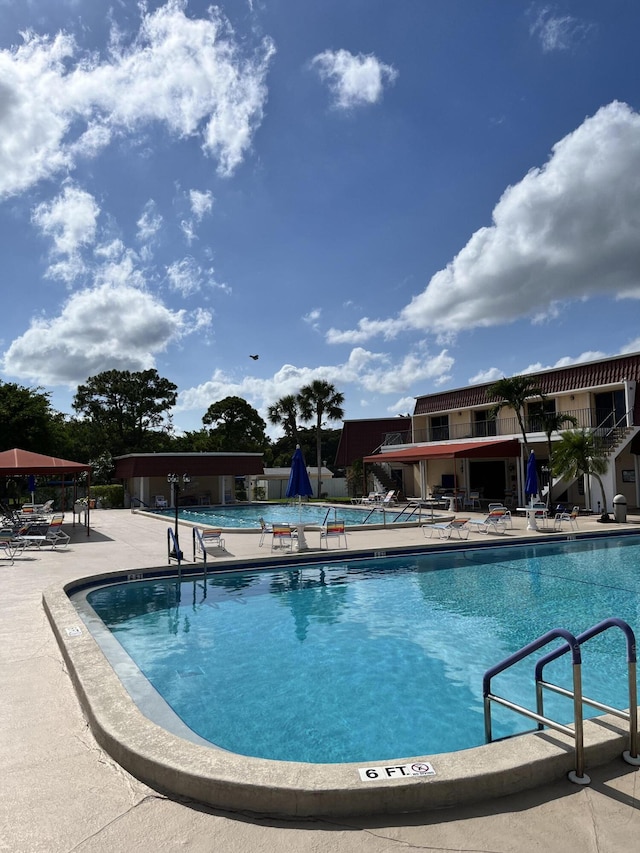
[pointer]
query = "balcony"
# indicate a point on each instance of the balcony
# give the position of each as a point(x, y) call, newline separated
point(499, 428)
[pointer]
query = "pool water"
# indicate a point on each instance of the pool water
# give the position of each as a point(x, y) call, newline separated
point(367, 660)
point(314, 514)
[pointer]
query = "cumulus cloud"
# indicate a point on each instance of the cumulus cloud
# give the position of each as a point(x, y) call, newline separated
point(70, 219)
point(377, 373)
point(189, 74)
point(109, 327)
point(354, 80)
point(567, 231)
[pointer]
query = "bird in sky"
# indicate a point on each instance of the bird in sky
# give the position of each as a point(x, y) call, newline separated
point(254, 357)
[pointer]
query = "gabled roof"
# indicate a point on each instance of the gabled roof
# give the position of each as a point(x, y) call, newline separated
point(576, 377)
point(18, 461)
point(361, 437)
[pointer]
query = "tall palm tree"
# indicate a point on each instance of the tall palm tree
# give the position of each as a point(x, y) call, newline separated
point(285, 412)
point(513, 393)
point(553, 422)
point(580, 453)
point(320, 399)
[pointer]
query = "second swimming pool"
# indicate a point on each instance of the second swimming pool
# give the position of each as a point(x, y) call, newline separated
point(365, 659)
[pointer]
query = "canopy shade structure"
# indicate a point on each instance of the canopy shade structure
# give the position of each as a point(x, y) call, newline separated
point(24, 462)
point(460, 450)
point(18, 461)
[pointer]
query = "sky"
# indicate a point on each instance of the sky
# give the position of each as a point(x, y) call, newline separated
point(398, 198)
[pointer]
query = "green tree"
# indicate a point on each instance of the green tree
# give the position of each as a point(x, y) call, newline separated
point(553, 422)
point(127, 408)
point(580, 453)
point(284, 412)
point(27, 420)
point(320, 400)
point(513, 393)
point(236, 426)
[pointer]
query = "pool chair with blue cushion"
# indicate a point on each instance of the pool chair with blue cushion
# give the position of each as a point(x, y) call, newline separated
point(334, 530)
point(281, 537)
point(496, 522)
point(570, 517)
point(212, 538)
point(447, 528)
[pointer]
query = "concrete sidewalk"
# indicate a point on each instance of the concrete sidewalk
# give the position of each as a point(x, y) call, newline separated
point(61, 792)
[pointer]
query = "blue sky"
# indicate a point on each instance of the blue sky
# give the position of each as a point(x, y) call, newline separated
point(398, 198)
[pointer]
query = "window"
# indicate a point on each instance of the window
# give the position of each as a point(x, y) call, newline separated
point(440, 428)
point(483, 423)
point(534, 412)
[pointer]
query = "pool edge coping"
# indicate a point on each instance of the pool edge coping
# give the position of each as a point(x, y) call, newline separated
point(234, 782)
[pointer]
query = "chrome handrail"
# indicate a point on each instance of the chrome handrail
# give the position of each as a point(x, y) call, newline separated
point(631, 716)
point(578, 775)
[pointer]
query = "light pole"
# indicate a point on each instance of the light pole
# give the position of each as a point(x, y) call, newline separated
point(174, 481)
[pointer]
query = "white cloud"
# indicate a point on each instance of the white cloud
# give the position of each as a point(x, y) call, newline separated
point(110, 327)
point(313, 318)
point(375, 372)
point(188, 73)
point(149, 223)
point(567, 231)
point(201, 203)
point(354, 80)
point(558, 32)
point(70, 220)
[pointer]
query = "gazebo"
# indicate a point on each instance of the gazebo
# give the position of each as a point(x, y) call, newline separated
point(24, 462)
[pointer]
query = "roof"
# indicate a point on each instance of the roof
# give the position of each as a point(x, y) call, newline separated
point(193, 464)
point(443, 450)
point(361, 437)
point(18, 461)
point(576, 377)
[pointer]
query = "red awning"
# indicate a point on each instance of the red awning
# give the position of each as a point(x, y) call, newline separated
point(464, 450)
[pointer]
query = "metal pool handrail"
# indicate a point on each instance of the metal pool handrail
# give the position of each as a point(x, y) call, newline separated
point(630, 756)
point(578, 775)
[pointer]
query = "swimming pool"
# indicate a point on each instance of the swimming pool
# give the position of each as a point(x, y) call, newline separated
point(361, 660)
point(309, 513)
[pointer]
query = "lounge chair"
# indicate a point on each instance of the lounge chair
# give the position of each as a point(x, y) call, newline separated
point(447, 528)
point(281, 537)
point(496, 522)
point(10, 543)
point(160, 502)
point(333, 531)
point(212, 538)
point(264, 530)
point(389, 499)
point(37, 535)
point(372, 498)
point(571, 517)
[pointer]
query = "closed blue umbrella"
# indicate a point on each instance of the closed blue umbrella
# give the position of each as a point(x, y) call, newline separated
point(299, 485)
point(531, 482)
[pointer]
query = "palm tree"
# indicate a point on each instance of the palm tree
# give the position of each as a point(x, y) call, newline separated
point(553, 422)
point(580, 453)
point(513, 393)
point(285, 411)
point(320, 399)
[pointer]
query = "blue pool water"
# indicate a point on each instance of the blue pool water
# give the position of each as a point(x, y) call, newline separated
point(249, 516)
point(367, 660)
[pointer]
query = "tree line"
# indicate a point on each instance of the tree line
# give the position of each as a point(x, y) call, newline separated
point(118, 412)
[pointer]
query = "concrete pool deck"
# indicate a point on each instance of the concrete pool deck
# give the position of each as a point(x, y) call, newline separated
point(63, 792)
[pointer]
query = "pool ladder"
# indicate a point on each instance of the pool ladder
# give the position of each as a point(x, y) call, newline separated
point(572, 645)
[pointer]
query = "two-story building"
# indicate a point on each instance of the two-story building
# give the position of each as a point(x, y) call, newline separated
point(456, 444)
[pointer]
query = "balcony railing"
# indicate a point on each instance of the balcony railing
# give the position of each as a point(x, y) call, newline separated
point(501, 427)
